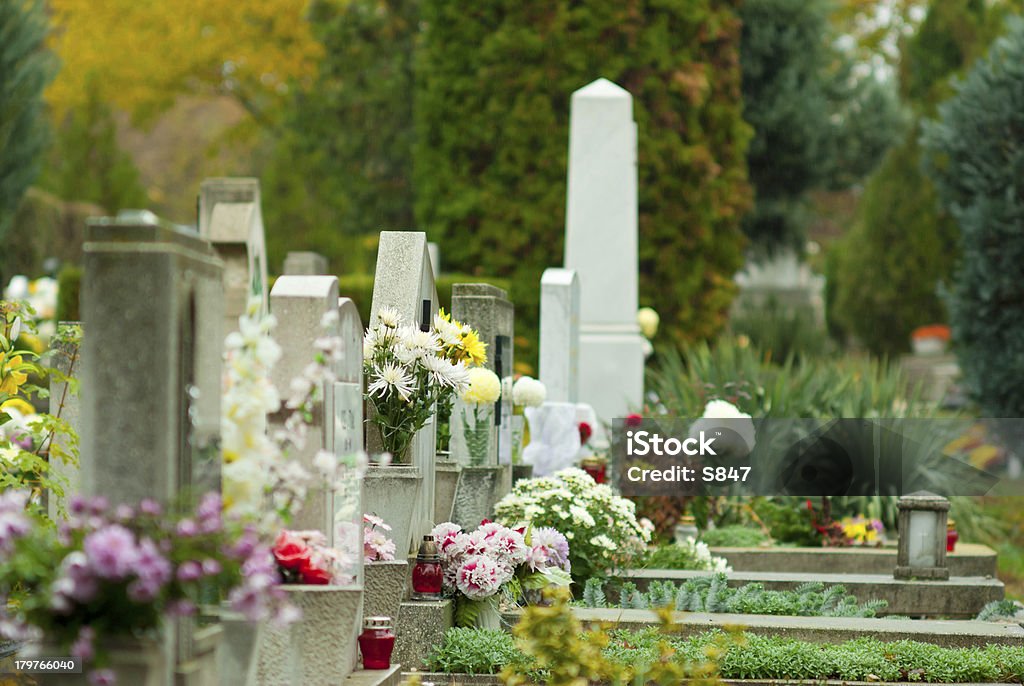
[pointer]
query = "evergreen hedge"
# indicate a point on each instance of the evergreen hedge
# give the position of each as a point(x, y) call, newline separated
point(975, 155)
point(493, 85)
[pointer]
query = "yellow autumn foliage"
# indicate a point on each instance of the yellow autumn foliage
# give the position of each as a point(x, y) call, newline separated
point(144, 54)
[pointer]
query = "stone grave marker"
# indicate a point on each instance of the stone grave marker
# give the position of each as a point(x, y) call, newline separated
point(601, 244)
point(299, 304)
point(404, 280)
point(152, 303)
point(560, 334)
point(305, 264)
point(230, 217)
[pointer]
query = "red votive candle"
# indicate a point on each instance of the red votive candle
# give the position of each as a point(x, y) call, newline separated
point(427, 574)
point(376, 643)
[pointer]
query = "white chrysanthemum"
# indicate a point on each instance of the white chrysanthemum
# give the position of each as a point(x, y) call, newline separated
point(425, 340)
point(648, 320)
point(721, 409)
point(389, 317)
point(390, 377)
point(528, 392)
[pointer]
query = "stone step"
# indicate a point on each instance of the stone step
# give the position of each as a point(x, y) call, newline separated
point(949, 634)
point(376, 677)
point(959, 598)
point(969, 559)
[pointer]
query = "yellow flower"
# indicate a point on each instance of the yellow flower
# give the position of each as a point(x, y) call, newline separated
point(484, 387)
point(13, 379)
point(18, 404)
point(475, 349)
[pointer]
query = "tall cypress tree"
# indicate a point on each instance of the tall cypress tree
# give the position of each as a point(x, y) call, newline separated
point(493, 84)
point(25, 69)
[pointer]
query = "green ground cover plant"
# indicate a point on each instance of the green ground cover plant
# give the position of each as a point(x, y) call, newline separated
point(735, 537)
point(754, 657)
point(712, 594)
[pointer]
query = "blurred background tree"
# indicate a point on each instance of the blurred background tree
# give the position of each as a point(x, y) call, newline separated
point(975, 155)
point(493, 86)
point(25, 69)
point(890, 266)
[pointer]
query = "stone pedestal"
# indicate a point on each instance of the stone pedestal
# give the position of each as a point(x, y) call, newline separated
point(446, 480)
point(391, 493)
point(421, 626)
point(385, 588)
point(318, 650)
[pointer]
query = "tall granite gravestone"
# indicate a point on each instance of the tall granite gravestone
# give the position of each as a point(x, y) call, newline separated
point(305, 264)
point(601, 245)
point(299, 303)
point(230, 217)
point(404, 280)
point(560, 334)
point(151, 371)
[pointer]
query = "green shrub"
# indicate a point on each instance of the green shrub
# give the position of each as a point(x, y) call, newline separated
point(69, 288)
point(781, 332)
point(734, 537)
point(974, 153)
point(475, 651)
point(492, 109)
point(764, 657)
point(712, 594)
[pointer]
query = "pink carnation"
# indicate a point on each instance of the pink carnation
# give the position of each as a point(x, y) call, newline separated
point(480, 577)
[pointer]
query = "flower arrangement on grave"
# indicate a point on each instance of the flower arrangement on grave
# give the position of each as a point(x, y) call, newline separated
point(304, 557)
point(601, 527)
point(28, 451)
point(477, 413)
point(494, 563)
point(409, 372)
point(863, 531)
point(111, 573)
point(377, 545)
point(526, 392)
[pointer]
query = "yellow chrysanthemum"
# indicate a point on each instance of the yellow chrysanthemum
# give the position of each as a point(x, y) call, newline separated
point(19, 404)
point(12, 380)
point(484, 387)
point(476, 350)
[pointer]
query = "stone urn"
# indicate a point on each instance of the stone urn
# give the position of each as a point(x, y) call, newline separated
point(446, 479)
point(320, 648)
point(390, 492)
point(384, 588)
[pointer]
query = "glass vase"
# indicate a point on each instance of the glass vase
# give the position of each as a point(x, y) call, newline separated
point(473, 434)
point(518, 433)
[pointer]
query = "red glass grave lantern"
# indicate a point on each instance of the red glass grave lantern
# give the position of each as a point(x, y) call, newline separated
point(427, 573)
point(952, 536)
point(376, 643)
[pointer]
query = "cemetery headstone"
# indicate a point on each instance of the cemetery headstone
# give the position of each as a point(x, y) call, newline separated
point(305, 264)
point(602, 246)
point(404, 280)
point(299, 304)
point(434, 251)
point(560, 334)
point(230, 217)
point(152, 301)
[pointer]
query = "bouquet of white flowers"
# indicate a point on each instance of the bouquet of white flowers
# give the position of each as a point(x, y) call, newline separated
point(408, 371)
point(601, 527)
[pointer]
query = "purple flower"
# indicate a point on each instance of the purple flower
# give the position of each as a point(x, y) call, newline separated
point(102, 677)
point(13, 525)
point(187, 528)
point(77, 579)
point(99, 505)
point(124, 512)
point(77, 505)
point(210, 506)
point(190, 570)
point(112, 552)
point(211, 567)
point(181, 608)
point(22, 439)
point(245, 545)
point(143, 590)
point(150, 507)
point(83, 646)
point(555, 545)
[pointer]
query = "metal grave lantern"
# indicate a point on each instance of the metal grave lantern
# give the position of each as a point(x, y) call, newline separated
point(922, 527)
